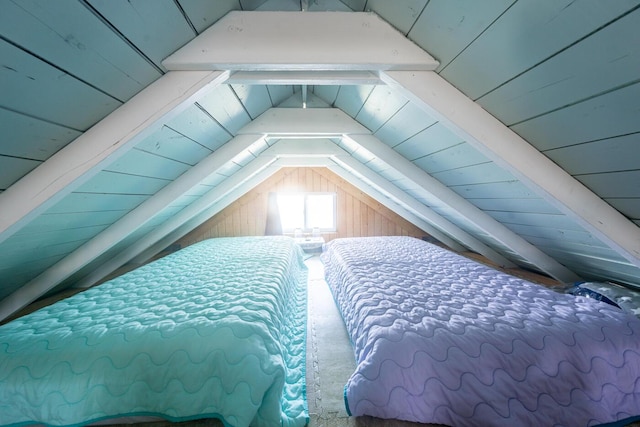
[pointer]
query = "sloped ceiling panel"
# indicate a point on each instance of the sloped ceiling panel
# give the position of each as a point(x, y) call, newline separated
point(563, 81)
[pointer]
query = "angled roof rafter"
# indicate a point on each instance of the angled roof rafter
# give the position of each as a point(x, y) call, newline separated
point(500, 144)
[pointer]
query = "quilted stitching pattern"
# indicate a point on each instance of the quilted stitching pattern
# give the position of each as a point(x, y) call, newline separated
point(442, 339)
point(214, 330)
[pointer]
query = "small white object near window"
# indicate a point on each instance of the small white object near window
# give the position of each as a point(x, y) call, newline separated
point(309, 212)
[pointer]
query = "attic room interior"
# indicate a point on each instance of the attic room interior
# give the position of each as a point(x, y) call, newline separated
point(319, 212)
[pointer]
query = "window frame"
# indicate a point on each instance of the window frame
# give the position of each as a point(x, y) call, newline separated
point(305, 194)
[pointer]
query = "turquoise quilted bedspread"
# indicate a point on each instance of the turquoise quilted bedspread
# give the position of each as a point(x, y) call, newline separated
point(217, 329)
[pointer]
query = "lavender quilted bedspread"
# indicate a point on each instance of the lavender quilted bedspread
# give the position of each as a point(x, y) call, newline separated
point(439, 338)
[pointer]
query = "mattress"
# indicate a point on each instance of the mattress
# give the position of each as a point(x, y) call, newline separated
point(439, 338)
point(215, 330)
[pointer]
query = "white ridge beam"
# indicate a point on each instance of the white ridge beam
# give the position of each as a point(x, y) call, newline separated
point(124, 226)
point(266, 40)
point(313, 77)
point(105, 142)
point(507, 149)
point(423, 211)
point(480, 219)
point(227, 187)
point(304, 122)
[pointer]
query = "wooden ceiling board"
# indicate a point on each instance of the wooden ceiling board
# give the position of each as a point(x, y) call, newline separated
point(157, 28)
point(402, 15)
point(173, 145)
point(525, 35)
point(431, 140)
point(69, 36)
point(608, 155)
point(203, 13)
point(408, 121)
point(28, 137)
point(350, 99)
point(118, 183)
point(96, 202)
point(482, 173)
point(454, 157)
point(255, 98)
point(70, 221)
point(380, 106)
point(200, 127)
point(61, 98)
point(142, 163)
point(446, 28)
point(573, 75)
point(225, 107)
point(14, 168)
point(607, 116)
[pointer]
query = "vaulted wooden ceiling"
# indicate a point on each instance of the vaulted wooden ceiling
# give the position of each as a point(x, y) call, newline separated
point(510, 128)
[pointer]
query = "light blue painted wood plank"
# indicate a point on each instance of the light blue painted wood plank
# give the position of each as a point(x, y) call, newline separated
point(69, 35)
point(172, 145)
point(255, 98)
point(380, 106)
point(436, 137)
point(613, 185)
point(118, 183)
point(593, 247)
point(279, 93)
point(609, 155)
point(515, 205)
point(457, 156)
point(61, 99)
point(556, 221)
point(197, 125)
point(526, 34)
point(593, 66)
point(406, 123)
point(627, 207)
point(329, 5)
point(203, 13)
point(402, 15)
point(142, 163)
point(157, 28)
point(475, 174)
point(326, 92)
point(12, 259)
point(356, 5)
point(24, 136)
point(13, 169)
point(554, 234)
point(35, 241)
point(223, 105)
point(446, 28)
point(350, 99)
point(295, 101)
point(91, 202)
point(70, 221)
point(271, 5)
point(184, 201)
point(610, 115)
point(507, 190)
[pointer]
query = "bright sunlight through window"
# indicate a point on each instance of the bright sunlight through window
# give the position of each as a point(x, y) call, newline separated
point(307, 211)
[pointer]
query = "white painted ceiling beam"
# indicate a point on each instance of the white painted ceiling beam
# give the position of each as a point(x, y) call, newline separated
point(480, 219)
point(507, 149)
point(423, 211)
point(245, 177)
point(124, 226)
point(304, 147)
point(304, 122)
point(311, 77)
point(105, 142)
point(266, 40)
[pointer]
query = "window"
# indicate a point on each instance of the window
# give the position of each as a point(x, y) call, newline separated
point(307, 211)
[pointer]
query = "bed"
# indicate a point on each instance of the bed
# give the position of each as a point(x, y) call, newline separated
point(439, 338)
point(215, 330)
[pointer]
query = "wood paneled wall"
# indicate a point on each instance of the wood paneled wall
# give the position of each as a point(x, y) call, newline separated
point(357, 214)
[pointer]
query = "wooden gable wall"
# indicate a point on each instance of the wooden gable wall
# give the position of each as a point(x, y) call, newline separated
point(357, 214)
